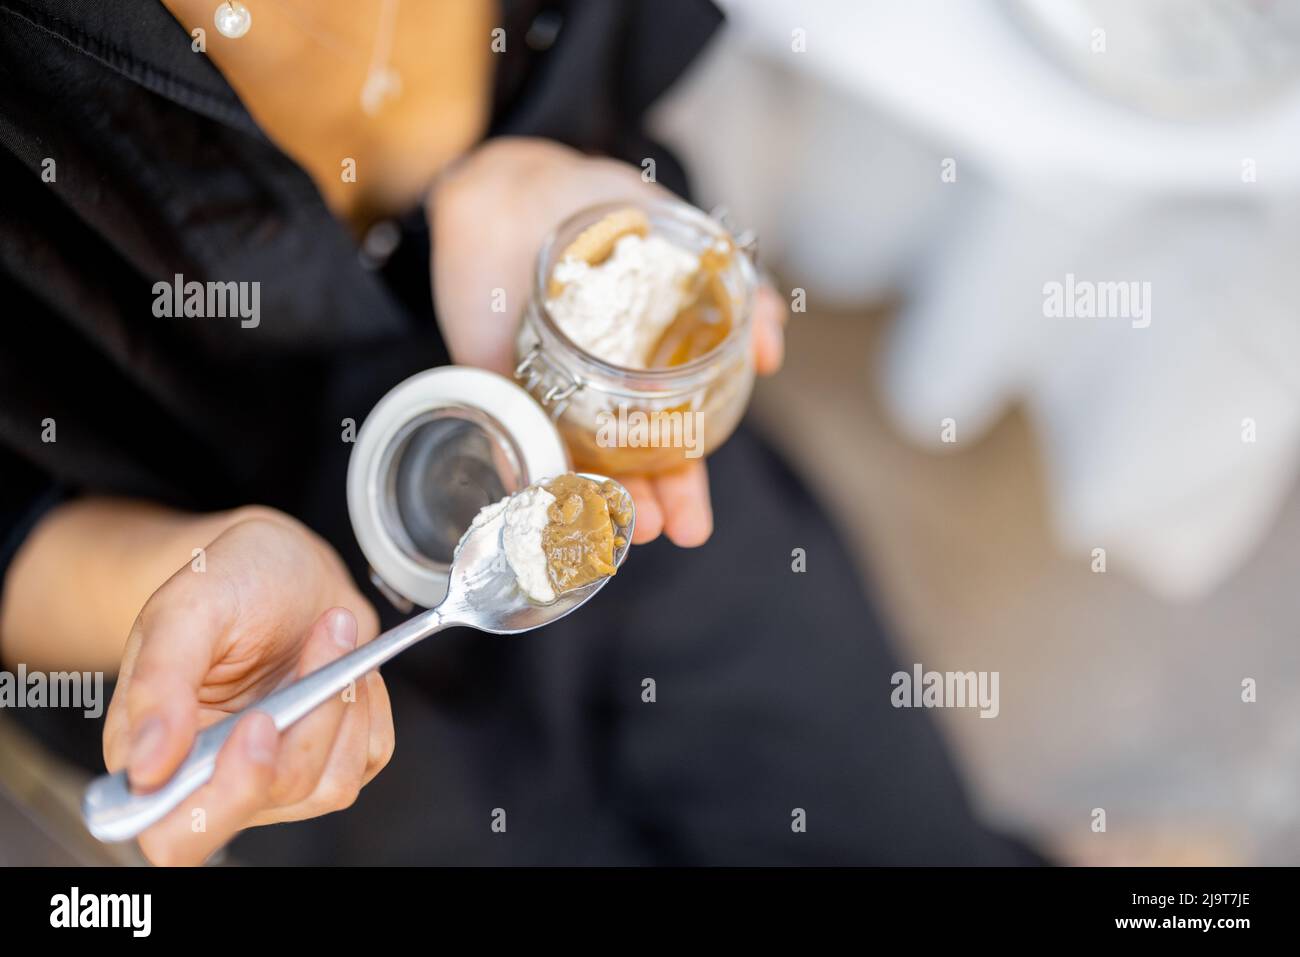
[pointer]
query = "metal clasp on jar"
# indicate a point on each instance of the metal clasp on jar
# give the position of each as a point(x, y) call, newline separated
point(746, 240)
point(555, 398)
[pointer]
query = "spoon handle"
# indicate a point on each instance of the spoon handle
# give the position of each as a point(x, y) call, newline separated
point(113, 812)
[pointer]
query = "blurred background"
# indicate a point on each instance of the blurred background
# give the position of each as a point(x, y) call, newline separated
point(921, 170)
point(917, 173)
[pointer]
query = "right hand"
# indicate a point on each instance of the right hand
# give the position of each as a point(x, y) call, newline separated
point(273, 603)
point(490, 213)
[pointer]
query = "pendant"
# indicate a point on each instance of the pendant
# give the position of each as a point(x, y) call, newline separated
point(382, 83)
point(233, 19)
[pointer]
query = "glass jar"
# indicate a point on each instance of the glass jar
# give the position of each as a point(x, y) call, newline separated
point(617, 420)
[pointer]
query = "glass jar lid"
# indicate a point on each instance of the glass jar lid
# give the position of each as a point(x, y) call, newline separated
point(433, 451)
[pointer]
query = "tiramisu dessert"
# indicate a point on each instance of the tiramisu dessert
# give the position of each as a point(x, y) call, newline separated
point(634, 299)
point(561, 534)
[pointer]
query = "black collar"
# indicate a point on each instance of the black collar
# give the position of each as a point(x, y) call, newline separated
point(142, 41)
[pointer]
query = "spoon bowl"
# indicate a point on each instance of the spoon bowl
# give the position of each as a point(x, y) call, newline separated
point(483, 593)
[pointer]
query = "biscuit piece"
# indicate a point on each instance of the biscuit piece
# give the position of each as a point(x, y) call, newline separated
point(595, 243)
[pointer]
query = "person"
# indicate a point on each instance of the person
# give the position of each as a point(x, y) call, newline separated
point(372, 165)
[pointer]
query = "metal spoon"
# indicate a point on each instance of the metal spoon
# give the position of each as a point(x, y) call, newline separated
point(482, 594)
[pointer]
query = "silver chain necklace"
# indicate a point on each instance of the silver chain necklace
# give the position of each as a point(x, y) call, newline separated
point(233, 19)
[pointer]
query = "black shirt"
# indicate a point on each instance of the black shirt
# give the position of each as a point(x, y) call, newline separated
point(126, 160)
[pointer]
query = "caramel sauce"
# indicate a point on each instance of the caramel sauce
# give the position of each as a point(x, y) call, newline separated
point(704, 322)
point(582, 537)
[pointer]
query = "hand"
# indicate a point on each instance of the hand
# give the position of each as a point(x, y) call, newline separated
point(490, 213)
point(272, 603)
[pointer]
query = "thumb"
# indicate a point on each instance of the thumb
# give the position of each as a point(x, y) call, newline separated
point(176, 637)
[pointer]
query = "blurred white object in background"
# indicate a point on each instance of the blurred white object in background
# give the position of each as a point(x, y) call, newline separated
point(1109, 141)
point(1174, 57)
point(841, 198)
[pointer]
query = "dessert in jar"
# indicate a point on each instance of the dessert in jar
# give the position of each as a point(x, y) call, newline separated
point(637, 337)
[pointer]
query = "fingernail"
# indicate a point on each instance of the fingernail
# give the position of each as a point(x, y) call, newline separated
point(260, 743)
point(343, 629)
point(146, 744)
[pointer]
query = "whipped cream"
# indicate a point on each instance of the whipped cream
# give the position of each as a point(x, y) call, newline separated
point(521, 538)
point(619, 309)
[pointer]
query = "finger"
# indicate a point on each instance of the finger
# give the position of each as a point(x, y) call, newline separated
point(308, 743)
point(177, 634)
point(379, 751)
point(343, 773)
point(208, 819)
point(117, 722)
point(649, 516)
point(770, 314)
point(383, 738)
point(684, 498)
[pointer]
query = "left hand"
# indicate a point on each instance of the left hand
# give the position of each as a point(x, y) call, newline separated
point(490, 213)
